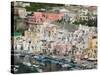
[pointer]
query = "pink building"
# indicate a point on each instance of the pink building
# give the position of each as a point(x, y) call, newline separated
point(40, 17)
point(61, 48)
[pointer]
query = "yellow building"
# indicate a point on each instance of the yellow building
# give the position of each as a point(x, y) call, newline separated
point(34, 39)
point(91, 51)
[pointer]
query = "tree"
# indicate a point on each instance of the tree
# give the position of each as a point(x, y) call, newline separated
point(92, 22)
point(89, 22)
point(36, 6)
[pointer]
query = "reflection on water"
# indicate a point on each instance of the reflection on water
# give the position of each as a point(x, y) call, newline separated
point(42, 63)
